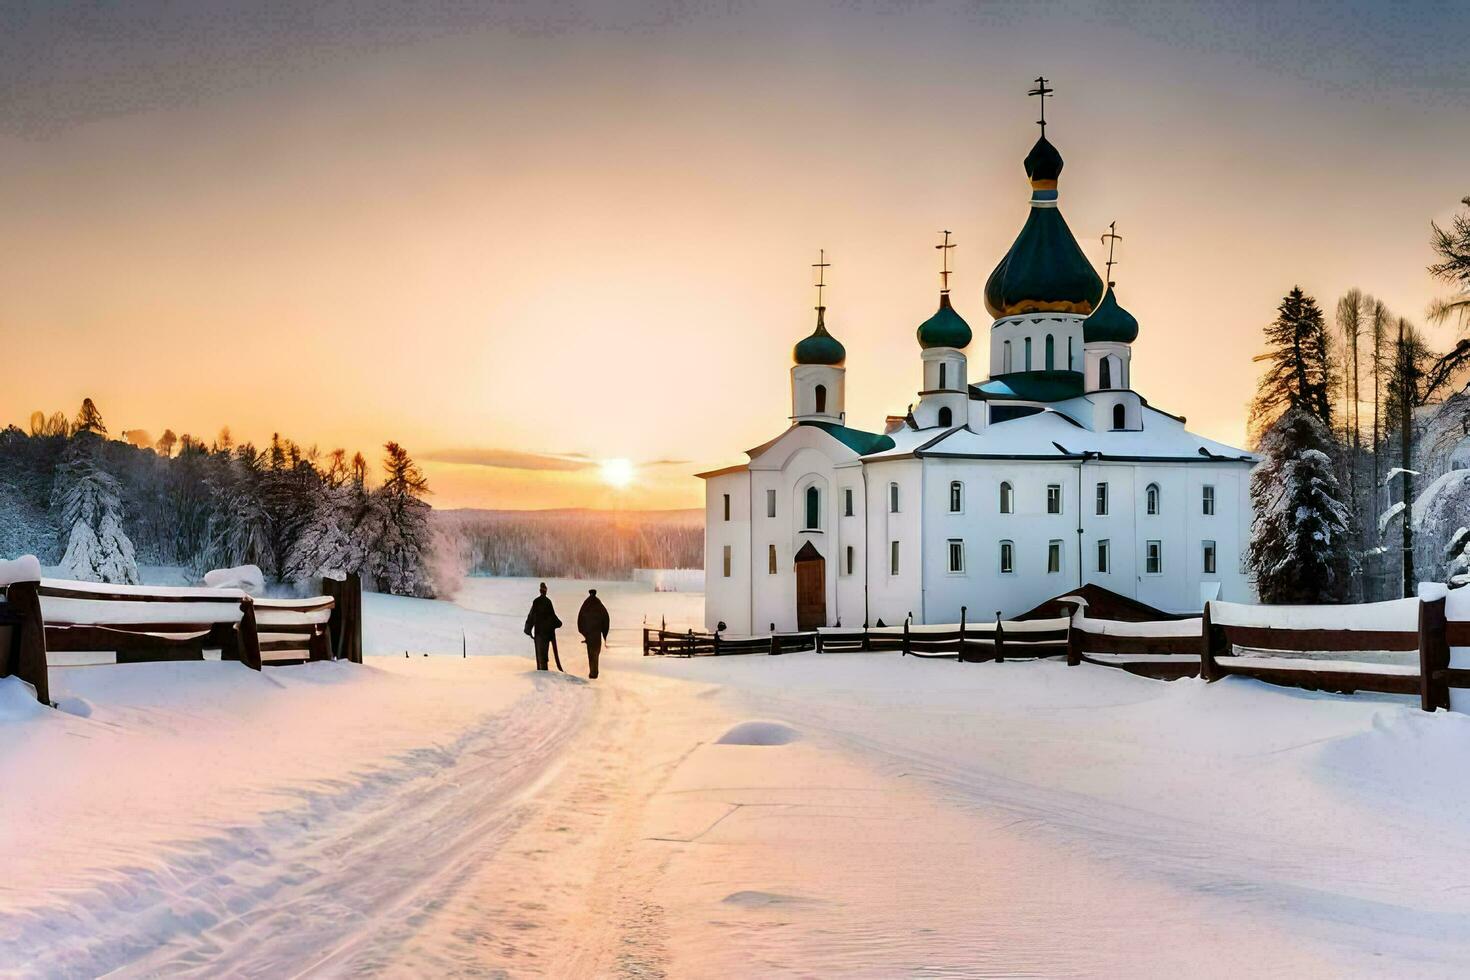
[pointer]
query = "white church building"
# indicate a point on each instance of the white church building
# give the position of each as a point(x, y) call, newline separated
point(1000, 494)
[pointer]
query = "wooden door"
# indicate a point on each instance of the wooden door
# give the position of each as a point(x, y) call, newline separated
point(811, 588)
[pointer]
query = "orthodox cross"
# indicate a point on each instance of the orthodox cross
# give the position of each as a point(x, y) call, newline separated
point(821, 265)
point(1042, 92)
point(1111, 238)
point(944, 272)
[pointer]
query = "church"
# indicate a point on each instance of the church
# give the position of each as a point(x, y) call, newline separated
point(997, 494)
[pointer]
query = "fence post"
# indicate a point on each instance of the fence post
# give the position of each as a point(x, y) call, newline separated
point(775, 642)
point(867, 644)
point(717, 643)
point(1434, 655)
point(320, 645)
point(963, 610)
point(905, 648)
point(817, 641)
point(1000, 653)
point(1207, 667)
point(30, 642)
point(1074, 638)
point(249, 635)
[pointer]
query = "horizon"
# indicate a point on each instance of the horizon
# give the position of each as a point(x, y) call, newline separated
point(513, 242)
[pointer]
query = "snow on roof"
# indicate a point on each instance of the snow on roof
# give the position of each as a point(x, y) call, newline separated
point(1051, 434)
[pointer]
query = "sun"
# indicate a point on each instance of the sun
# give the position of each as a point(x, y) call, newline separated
point(617, 472)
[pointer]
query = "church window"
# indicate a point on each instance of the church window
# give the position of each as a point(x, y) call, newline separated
point(893, 498)
point(1120, 417)
point(1153, 558)
point(946, 417)
point(1105, 373)
point(813, 508)
point(893, 558)
point(1054, 498)
point(1069, 354)
point(849, 559)
point(1103, 563)
point(956, 497)
point(770, 503)
point(1005, 358)
point(1053, 556)
point(847, 501)
point(1051, 353)
point(1007, 499)
point(941, 375)
point(726, 561)
point(1151, 500)
point(956, 556)
point(821, 393)
point(1102, 500)
point(727, 506)
point(1007, 557)
point(1209, 558)
point(1028, 354)
point(1207, 501)
point(770, 559)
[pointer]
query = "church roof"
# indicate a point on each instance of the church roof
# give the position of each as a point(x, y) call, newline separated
point(1045, 268)
point(1110, 322)
point(945, 328)
point(1030, 386)
point(1052, 434)
point(857, 440)
point(821, 347)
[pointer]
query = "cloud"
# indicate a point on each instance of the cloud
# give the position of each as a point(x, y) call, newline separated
point(512, 459)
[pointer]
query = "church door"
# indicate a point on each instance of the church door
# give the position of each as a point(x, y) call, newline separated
point(811, 588)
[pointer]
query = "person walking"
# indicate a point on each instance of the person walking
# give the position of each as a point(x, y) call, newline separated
point(593, 623)
point(541, 626)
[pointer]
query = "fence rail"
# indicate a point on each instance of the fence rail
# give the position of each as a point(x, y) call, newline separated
point(82, 623)
point(1227, 640)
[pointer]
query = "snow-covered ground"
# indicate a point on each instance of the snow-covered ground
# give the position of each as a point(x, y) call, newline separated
point(745, 816)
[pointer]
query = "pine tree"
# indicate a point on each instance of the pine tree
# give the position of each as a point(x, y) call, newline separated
point(397, 524)
point(88, 502)
point(166, 443)
point(1299, 549)
point(89, 419)
point(1452, 245)
point(239, 521)
point(1299, 366)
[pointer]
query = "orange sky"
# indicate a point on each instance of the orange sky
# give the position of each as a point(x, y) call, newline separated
point(591, 234)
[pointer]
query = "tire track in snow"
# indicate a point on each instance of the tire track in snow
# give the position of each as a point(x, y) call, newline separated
point(312, 883)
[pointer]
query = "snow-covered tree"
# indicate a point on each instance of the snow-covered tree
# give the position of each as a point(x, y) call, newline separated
point(332, 538)
point(88, 503)
point(397, 525)
point(1298, 364)
point(1299, 549)
point(239, 522)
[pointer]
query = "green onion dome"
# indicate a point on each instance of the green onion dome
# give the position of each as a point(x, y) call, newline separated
point(1110, 322)
point(1045, 270)
point(946, 328)
point(821, 347)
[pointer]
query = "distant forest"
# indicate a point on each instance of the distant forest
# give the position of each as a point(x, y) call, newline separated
point(99, 505)
point(573, 543)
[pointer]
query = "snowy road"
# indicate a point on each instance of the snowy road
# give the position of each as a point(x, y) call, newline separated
point(806, 816)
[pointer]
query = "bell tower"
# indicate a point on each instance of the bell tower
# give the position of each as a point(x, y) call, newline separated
point(818, 376)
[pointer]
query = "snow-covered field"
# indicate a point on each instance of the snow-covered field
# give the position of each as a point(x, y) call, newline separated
point(748, 816)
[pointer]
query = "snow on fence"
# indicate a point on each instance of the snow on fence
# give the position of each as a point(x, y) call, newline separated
point(1434, 628)
point(56, 622)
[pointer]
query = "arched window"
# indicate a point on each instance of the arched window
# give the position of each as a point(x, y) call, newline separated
point(956, 496)
point(1007, 557)
point(1151, 499)
point(1051, 353)
point(1007, 499)
point(821, 393)
point(1105, 373)
point(893, 498)
point(1120, 417)
point(1005, 358)
point(1028, 354)
point(813, 508)
point(946, 417)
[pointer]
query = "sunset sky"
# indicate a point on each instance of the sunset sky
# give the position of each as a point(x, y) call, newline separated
point(527, 239)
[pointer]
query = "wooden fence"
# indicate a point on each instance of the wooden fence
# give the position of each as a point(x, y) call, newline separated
point(54, 622)
point(1228, 639)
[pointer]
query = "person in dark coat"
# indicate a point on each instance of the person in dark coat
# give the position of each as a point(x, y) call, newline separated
point(593, 623)
point(541, 626)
